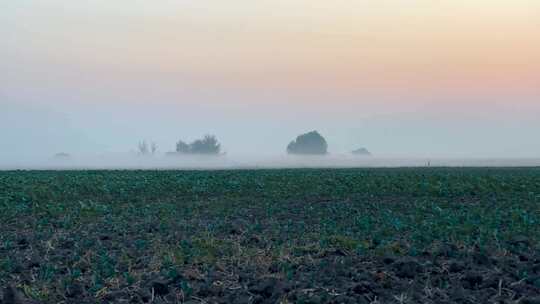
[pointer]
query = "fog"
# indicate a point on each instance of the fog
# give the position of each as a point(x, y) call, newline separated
point(132, 161)
point(93, 79)
point(105, 135)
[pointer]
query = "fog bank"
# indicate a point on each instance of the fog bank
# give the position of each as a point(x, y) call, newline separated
point(131, 161)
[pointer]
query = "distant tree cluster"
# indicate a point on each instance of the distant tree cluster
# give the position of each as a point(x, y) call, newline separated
point(208, 145)
point(311, 143)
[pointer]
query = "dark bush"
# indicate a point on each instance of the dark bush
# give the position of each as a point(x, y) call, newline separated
point(361, 151)
point(62, 155)
point(207, 145)
point(310, 143)
point(182, 147)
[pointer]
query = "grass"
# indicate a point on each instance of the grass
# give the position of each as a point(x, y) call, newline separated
point(112, 229)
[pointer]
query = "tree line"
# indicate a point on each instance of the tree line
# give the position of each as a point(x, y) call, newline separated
point(311, 143)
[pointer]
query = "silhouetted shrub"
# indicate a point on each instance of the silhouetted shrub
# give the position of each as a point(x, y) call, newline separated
point(207, 145)
point(361, 151)
point(62, 155)
point(310, 143)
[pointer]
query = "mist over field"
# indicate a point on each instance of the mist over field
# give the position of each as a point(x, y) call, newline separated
point(93, 79)
point(269, 151)
point(132, 161)
point(107, 137)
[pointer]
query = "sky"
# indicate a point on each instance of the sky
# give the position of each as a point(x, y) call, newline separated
point(402, 78)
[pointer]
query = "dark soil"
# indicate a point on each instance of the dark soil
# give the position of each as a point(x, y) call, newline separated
point(65, 239)
point(330, 278)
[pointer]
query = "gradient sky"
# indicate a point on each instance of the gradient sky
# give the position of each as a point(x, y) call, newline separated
point(401, 77)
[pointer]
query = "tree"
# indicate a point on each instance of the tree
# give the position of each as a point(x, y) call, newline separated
point(207, 145)
point(147, 149)
point(311, 143)
point(182, 147)
point(143, 148)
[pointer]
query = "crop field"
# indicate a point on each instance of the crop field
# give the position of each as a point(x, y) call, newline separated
point(424, 235)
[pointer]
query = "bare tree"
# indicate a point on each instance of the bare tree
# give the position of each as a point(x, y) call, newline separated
point(153, 148)
point(143, 148)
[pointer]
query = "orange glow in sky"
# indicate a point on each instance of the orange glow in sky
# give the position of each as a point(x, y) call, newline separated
point(415, 77)
point(295, 44)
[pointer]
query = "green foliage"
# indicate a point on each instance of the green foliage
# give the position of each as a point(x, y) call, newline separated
point(309, 143)
point(206, 145)
point(117, 225)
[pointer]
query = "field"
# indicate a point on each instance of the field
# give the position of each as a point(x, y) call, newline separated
point(420, 235)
